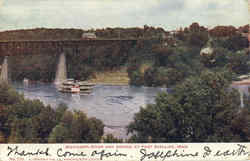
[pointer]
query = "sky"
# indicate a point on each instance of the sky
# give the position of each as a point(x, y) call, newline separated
point(93, 14)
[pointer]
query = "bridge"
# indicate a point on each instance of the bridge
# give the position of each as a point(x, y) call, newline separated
point(25, 47)
point(38, 47)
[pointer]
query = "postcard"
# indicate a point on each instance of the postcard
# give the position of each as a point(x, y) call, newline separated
point(124, 80)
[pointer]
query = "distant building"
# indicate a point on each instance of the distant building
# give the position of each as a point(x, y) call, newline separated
point(245, 35)
point(89, 35)
point(206, 51)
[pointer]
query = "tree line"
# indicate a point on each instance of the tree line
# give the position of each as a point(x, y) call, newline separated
point(159, 61)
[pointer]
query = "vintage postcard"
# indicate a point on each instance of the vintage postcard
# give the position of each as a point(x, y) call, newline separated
point(124, 80)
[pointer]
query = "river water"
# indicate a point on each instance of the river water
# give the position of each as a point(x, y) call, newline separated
point(114, 105)
point(243, 90)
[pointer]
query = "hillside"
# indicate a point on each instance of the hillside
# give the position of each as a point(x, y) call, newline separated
point(165, 59)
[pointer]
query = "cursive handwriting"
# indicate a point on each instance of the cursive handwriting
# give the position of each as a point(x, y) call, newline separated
point(207, 152)
point(60, 153)
point(241, 150)
point(163, 155)
point(37, 152)
point(144, 154)
point(103, 154)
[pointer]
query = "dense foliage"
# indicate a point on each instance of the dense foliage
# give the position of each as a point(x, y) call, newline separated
point(201, 109)
point(179, 56)
point(159, 58)
point(30, 121)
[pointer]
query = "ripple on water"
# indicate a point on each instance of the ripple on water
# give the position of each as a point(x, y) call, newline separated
point(117, 99)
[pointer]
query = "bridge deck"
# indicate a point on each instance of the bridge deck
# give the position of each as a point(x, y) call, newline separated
point(24, 47)
point(69, 40)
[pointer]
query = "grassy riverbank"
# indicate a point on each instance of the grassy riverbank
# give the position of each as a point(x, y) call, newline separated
point(114, 77)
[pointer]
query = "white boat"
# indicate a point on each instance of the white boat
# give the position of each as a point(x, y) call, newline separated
point(85, 87)
point(25, 80)
point(69, 89)
point(74, 86)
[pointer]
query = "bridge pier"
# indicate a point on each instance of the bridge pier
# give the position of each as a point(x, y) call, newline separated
point(4, 71)
point(61, 71)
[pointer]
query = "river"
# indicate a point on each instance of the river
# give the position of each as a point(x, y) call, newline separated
point(114, 105)
point(243, 90)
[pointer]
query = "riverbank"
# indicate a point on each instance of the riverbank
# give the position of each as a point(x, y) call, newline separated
point(116, 77)
point(242, 82)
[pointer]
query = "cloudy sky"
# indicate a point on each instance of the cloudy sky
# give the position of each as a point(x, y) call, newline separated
point(87, 14)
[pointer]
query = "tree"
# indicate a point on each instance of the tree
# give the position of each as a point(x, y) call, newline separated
point(16, 136)
point(109, 138)
point(194, 27)
point(4, 116)
point(60, 110)
point(149, 76)
point(215, 57)
point(2, 137)
point(239, 62)
point(161, 55)
point(136, 78)
point(79, 127)
point(223, 31)
point(43, 123)
point(236, 42)
point(95, 132)
point(8, 96)
point(84, 129)
point(200, 109)
point(60, 134)
point(198, 39)
point(67, 119)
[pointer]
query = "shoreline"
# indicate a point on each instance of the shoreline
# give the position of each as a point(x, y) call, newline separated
point(112, 78)
point(242, 82)
point(111, 84)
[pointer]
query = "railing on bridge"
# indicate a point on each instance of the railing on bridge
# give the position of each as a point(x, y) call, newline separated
point(73, 40)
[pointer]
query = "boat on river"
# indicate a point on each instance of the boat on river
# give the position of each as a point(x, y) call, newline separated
point(85, 87)
point(74, 86)
point(69, 86)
